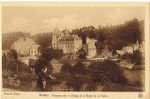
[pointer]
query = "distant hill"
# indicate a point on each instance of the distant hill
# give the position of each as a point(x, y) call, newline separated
point(9, 38)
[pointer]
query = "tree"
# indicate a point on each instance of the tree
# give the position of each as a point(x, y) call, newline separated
point(67, 68)
point(43, 39)
point(107, 71)
point(121, 35)
point(130, 30)
point(13, 54)
point(75, 82)
point(84, 32)
point(79, 68)
point(49, 53)
point(82, 53)
point(9, 38)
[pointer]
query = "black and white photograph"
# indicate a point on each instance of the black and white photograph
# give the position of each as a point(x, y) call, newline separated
point(73, 48)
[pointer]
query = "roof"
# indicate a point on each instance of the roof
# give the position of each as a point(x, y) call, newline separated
point(69, 38)
point(24, 43)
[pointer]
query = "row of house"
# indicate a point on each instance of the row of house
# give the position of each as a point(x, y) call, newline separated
point(131, 48)
point(68, 43)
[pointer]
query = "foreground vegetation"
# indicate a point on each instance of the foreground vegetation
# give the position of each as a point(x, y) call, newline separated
point(104, 75)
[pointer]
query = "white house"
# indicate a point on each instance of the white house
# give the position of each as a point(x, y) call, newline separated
point(26, 49)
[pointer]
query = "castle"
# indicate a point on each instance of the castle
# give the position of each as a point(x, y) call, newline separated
point(66, 42)
point(71, 43)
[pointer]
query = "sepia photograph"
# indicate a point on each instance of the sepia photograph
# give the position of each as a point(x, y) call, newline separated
point(73, 48)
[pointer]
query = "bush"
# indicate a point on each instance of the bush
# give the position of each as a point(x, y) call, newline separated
point(67, 68)
point(82, 54)
point(75, 82)
point(107, 71)
point(50, 53)
point(75, 77)
point(79, 68)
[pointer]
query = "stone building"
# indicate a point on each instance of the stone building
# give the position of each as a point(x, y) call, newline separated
point(71, 44)
point(66, 42)
point(91, 48)
point(56, 36)
point(26, 49)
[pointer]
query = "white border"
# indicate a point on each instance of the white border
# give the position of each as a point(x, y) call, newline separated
point(111, 95)
point(77, 0)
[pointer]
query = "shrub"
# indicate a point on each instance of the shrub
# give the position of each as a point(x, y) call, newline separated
point(75, 82)
point(75, 77)
point(107, 71)
point(67, 68)
point(79, 68)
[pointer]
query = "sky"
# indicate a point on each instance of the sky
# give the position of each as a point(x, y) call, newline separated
point(45, 19)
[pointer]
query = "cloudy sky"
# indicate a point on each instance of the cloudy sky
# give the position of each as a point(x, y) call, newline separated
point(46, 19)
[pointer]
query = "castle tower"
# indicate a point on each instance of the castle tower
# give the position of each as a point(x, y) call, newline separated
point(56, 35)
